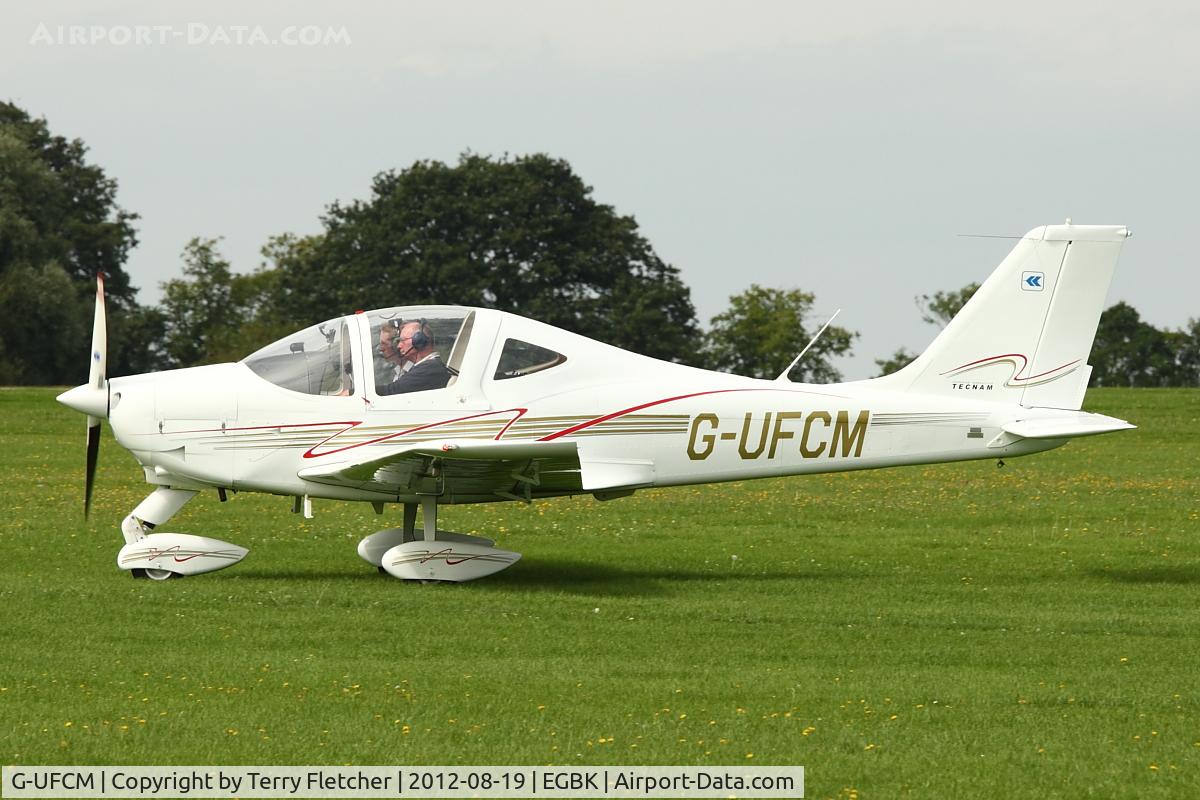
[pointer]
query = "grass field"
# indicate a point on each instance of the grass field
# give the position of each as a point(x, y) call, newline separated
point(957, 630)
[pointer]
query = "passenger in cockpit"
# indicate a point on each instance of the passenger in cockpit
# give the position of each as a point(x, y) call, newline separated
point(389, 332)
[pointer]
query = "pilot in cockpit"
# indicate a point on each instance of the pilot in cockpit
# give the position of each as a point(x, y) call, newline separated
point(412, 345)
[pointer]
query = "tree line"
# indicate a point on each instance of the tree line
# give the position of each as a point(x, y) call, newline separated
point(523, 234)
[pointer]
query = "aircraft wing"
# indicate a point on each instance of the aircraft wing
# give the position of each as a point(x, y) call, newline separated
point(458, 468)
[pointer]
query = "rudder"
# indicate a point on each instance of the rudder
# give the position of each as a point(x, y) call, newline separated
point(1026, 334)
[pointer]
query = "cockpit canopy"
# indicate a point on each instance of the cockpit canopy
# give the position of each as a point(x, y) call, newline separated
point(318, 360)
point(404, 349)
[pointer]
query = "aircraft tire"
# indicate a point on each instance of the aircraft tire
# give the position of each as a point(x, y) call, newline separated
point(154, 574)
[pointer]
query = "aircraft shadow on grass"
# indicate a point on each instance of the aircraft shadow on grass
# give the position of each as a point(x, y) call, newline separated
point(576, 577)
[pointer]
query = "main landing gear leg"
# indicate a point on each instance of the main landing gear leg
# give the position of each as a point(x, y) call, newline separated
point(372, 548)
point(429, 512)
point(410, 522)
point(159, 556)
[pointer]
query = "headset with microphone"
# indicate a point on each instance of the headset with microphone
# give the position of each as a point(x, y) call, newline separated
point(418, 341)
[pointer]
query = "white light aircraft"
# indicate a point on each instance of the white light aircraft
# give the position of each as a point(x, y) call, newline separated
point(513, 409)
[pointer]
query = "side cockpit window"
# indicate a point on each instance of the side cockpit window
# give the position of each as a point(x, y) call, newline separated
point(418, 349)
point(315, 360)
point(519, 359)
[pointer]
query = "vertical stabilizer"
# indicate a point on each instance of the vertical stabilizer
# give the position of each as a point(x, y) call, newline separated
point(1025, 336)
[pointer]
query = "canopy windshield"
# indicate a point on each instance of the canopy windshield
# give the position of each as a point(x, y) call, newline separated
point(315, 360)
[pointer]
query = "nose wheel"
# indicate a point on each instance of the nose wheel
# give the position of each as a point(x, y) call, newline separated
point(162, 556)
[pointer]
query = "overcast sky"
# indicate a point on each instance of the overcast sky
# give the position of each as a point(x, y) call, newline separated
point(839, 148)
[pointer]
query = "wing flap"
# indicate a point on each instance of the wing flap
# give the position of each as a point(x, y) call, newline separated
point(458, 467)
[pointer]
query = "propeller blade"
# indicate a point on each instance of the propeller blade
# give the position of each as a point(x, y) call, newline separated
point(99, 363)
point(97, 381)
point(93, 453)
point(93, 398)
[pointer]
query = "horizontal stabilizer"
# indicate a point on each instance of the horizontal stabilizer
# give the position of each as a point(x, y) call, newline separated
point(1060, 427)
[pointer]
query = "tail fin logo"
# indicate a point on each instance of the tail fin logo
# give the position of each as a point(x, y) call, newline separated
point(1032, 281)
point(1019, 364)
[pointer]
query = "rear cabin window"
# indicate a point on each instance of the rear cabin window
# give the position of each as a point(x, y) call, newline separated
point(519, 359)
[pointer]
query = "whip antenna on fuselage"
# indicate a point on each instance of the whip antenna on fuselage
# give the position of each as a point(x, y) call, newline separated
point(783, 376)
